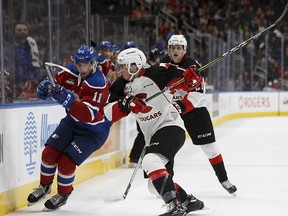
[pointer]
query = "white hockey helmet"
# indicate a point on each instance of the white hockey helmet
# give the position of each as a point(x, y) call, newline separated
point(132, 56)
point(178, 40)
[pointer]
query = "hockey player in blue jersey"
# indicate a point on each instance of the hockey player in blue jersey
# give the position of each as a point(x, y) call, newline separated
point(83, 92)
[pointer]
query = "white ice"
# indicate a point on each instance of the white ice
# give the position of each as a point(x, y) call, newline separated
point(255, 152)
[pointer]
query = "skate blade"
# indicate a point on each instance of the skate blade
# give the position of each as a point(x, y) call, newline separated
point(50, 210)
point(113, 199)
point(41, 199)
point(204, 208)
point(31, 204)
point(198, 210)
point(234, 194)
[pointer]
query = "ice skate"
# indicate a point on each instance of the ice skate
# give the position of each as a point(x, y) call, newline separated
point(228, 186)
point(55, 202)
point(38, 193)
point(174, 208)
point(192, 204)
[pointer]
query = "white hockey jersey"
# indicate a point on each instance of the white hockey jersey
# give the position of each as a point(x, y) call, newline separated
point(162, 113)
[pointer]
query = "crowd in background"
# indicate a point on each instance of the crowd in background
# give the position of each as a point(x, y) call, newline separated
point(214, 17)
point(248, 17)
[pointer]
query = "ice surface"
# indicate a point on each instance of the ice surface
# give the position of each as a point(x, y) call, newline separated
point(255, 154)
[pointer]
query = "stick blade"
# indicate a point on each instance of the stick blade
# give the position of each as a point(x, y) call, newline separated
point(113, 199)
point(53, 69)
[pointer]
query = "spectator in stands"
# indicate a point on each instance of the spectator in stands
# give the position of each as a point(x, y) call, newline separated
point(59, 54)
point(161, 43)
point(137, 13)
point(26, 60)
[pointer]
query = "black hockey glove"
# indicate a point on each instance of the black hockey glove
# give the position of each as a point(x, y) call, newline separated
point(131, 103)
point(179, 106)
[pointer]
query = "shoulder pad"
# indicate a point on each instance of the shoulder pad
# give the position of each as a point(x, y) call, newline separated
point(72, 68)
point(96, 80)
point(166, 65)
point(189, 62)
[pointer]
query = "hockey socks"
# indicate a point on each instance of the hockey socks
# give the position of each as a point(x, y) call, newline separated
point(164, 184)
point(219, 168)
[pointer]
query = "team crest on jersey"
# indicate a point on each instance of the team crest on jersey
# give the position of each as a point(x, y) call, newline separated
point(166, 65)
point(70, 82)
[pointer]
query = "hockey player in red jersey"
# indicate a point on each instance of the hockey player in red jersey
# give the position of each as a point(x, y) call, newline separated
point(83, 92)
point(194, 113)
point(104, 62)
point(159, 121)
point(113, 73)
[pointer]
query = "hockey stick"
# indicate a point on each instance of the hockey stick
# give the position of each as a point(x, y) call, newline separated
point(224, 55)
point(50, 73)
point(51, 68)
point(134, 172)
point(167, 87)
point(115, 199)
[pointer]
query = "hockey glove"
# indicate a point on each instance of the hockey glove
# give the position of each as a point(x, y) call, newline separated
point(62, 96)
point(192, 78)
point(44, 89)
point(131, 103)
point(179, 106)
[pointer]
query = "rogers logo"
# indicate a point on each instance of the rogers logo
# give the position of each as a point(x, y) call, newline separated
point(253, 102)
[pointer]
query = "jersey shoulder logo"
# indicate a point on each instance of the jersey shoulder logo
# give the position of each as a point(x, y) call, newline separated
point(70, 82)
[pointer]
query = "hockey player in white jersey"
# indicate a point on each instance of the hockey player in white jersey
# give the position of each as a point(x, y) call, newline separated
point(160, 122)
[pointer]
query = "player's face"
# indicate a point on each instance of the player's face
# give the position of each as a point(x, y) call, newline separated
point(85, 69)
point(114, 57)
point(107, 53)
point(124, 70)
point(176, 53)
